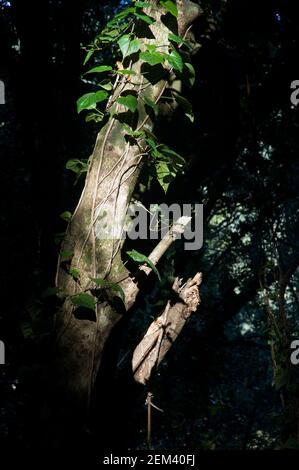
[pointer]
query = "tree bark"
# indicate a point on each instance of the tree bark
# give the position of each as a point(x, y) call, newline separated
point(113, 171)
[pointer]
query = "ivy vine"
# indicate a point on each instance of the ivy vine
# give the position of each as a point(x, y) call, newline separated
point(120, 35)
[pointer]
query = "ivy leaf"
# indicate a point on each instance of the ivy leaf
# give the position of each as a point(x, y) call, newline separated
point(152, 58)
point(152, 143)
point(170, 7)
point(49, 292)
point(106, 85)
point(186, 105)
point(99, 69)
point(88, 56)
point(150, 103)
point(151, 47)
point(140, 258)
point(168, 163)
point(129, 101)
point(191, 73)
point(177, 39)
point(176, 159)
point(122, 14)
point(67, 215)
point(133, 133)
point(66, 255)
point(27, 330)
point(77, 166)
point(128, 46)
point(96, 117)
point(109, 285)
point(147, 19)
point(86, 101)
point(101, 95)
point(143, 4)
point(84, 300)
point(90, 100)
point(164, 174)
point(175, 60)
point(75, 273)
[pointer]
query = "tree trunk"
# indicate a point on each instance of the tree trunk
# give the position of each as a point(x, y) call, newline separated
point(113, 171)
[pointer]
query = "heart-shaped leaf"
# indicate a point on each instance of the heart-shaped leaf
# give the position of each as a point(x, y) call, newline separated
point(99, 69)
point(175, 60)
point(129, 101)
point(109, 285)
point(90, 100)
point(128, 45)
point(140, 258)
point(152, 58)
point(170, 7)
point(84, 300)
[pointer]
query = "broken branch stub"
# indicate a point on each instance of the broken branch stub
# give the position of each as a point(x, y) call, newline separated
point(163, 331)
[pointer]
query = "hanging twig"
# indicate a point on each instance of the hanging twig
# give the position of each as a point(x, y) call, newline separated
point(150, 405)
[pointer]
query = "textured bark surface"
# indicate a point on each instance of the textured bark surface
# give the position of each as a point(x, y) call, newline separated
point(113, 171)
point(165, 329)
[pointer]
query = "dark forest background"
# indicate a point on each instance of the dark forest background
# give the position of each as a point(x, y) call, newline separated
point(228, 382)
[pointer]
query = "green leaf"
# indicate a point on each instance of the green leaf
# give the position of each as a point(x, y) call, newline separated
point(27, 330)
point(140, 258)
point(164, 174)
point(177, 39)
point(129, 101)
point(175, 157)
point(106, 84)
point(147, 19)
point(75, 273)
point(152, 143)
point(168, 163)
point(110, 33)
point(151, 47)
point(109, 285)
point(175, 60)
point(86, 101)
point(90, 100)
point(84, 300)
point(49, 292)
point(150, 103)
point(101, 95)
point(67, 215)
point(152, 58)
point(134, 133)
point(128, 46)
point(66, 255)
point(97, 117)
point(143, 4)
point(77, 166)
point(191, 73)
point(123, 14)
point(99, 69)
point(88, 56)
point(186, 105)
point(170, 7)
